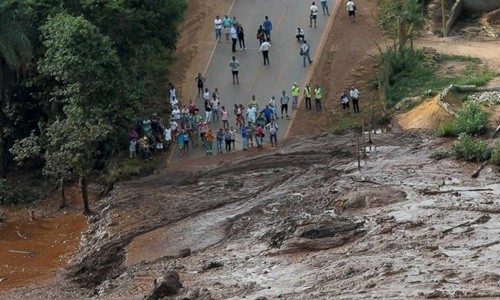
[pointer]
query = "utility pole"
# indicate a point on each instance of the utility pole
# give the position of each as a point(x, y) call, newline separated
point(443, 15)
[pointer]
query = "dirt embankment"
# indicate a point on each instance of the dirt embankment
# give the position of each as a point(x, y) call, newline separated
point(302, 222)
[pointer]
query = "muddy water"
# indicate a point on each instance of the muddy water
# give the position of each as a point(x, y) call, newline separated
point(31, 252)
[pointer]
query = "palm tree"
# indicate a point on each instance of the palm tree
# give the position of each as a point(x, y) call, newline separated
point(15, 54)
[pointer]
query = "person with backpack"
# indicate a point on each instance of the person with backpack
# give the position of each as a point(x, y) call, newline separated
point(272, 128)
point(305, 52)
point(351, 10)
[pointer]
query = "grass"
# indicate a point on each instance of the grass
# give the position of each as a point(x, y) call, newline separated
point(121, 167)
point(421, 77)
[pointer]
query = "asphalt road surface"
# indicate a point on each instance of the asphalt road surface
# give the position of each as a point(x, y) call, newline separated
point(285, 67)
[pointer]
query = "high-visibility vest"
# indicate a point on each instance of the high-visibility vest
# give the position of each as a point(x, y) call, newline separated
point(318, 92)
point(295, 90)
point(307, 92)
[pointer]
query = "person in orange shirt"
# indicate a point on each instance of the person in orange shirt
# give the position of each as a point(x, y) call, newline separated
point(209, 138)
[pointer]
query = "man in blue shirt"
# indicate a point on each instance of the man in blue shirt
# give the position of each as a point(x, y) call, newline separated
point(268, 113)
point(268, 26)
point(244, 138)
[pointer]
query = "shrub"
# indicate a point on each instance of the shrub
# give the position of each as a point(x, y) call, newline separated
point(438, 155)
point(495, 154)
point(448, 129)
point(471, 119)
point(469, 149)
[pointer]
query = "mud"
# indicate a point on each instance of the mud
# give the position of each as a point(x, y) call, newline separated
point(299, 223)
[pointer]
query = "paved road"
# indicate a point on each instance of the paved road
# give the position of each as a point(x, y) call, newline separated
point(255, 78)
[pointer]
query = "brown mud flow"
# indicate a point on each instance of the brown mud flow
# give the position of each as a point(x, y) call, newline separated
point(31, 252)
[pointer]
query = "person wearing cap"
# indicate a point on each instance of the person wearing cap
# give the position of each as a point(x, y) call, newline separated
point(307, 96)
point(295, 95)
point(304, 52)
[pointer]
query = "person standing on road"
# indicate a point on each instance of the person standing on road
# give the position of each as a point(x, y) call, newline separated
point(261, 35)
point(244, 142)
point(200, 82)
point(250, 130)
point(208, 112)
point(284, 99)
point(218, 28)
point(324, 6)
point(351, 10)
point(304, 51)
point(254, 103)
point(209, 141)
point(307, 96)
point(314, 14)
point(268, 26)
point(235, 22)
point(227, 140)
point(215, 109)
point(234, 38)
point(258, 136)
point(272, 105)
point(206, 96)
point(220, 139)
point(272, 128)
point(241, 37)
point(354, 93)
point(345, 101)
point(264, 47)
point(295, 95)
point(318, 95)
point(268, 114)
point(226, 23)
point(251, 114)
point(224, 116)
point(235, 65)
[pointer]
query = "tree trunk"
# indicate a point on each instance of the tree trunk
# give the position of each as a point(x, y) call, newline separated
point(85, 195)
point(63, 195)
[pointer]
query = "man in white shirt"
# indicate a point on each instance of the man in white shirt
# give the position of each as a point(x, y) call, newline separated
point(176, 114)
point(314, 14)
point(264, 48)
point(300, 34)
point(251, 114)
point(324, 5)
point(272, 105)
point(218, 28)
point(354, 93)
point(351, 9)
point(234, 38)
point(304, 51)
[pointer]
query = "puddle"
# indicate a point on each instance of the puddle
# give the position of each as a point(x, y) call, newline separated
point(33, 251)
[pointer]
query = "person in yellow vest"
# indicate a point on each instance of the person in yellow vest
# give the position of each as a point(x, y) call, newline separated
point(307, 96)
point(318, 94)
point(295, 95)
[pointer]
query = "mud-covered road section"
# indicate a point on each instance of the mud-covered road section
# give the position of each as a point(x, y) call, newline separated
point(303, 222)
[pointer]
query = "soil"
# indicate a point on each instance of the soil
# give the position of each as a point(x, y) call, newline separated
point(428, 115)
point(299, 222)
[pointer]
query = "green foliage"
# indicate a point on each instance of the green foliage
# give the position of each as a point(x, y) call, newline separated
point(448, 130)
point(469, 149)
point(401, 19)
point(471, 119)
point(121, 167)
point(438, 155)
point(495, 154)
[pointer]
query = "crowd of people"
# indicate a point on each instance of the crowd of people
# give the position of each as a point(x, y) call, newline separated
point(250, 124)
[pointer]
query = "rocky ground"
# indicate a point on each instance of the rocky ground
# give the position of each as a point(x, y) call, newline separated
point(303, 222)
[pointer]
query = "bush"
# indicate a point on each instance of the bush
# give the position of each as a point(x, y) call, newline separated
point(448, 129)
point(438, 155)
point(495, 154)
point(469, 149)
point(471, 119)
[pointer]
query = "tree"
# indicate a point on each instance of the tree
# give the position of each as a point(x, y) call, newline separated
point(88, 83)
point(15, 55)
